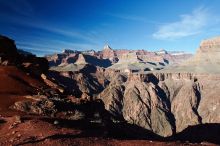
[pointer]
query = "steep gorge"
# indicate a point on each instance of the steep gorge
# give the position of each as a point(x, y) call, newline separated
point(165, 103)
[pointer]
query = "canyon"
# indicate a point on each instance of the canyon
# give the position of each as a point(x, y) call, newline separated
point(151, 98)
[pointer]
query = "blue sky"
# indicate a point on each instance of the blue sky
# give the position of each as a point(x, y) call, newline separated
point(45, 26)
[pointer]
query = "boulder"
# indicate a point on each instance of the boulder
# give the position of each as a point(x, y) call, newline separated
point(8, 51)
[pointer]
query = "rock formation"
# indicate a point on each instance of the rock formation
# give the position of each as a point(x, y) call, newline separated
point(8, 51)
point(109, 56)
point(81, 59)
point(170, 100)
point(206, 59)
point(163, 103)
point(108, 52)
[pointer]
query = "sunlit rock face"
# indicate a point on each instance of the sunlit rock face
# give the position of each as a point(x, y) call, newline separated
point(208, 52)
point(81, 60)
point(206, 60)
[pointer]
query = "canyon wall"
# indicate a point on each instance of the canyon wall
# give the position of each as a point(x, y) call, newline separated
point(165, 103)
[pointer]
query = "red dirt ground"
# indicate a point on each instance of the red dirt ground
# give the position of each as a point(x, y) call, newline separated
point(14, 84)
point(38, 132)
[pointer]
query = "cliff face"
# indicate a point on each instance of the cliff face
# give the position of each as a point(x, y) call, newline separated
point(208, 53)
point(206, 60)
point(108, 53)
point(165, 103)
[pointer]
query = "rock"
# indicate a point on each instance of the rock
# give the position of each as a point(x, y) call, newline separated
point(107, 47)
point(9, 55)
point(7, 46)
point(112, 96)
point(78, 83)
point(17, 119)
point(186, 113)
point(130, 57)
point(34, 65)
point(109, 56)
point(13, 132)
point(206, 60)
point(138, 103)
point(56, 122)
point(109, 53)
point(19, 135)
point(8, 51)
point(162, 51)
point(5, 63)
point(51, 83)
point(208, 52)
point(165, 103)
point(81, 59)
point(74, 99)
point(85, 96)
point(58, 59)
point(40, 107)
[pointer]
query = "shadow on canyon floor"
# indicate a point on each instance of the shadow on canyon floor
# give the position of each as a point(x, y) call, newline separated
point(124, 131)
point(199, 133)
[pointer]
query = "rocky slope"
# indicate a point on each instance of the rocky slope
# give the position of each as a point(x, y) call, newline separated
point(164, 103)
point(20, 75)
